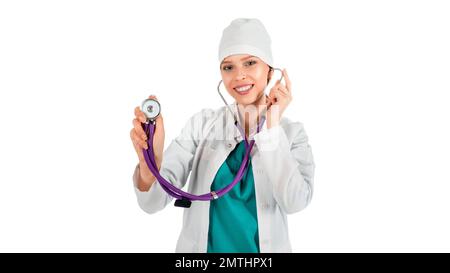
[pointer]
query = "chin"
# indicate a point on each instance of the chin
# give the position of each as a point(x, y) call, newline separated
point(246, 101)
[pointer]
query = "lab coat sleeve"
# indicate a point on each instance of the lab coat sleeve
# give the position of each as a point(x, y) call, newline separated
point(289, 165)
point(175, 167)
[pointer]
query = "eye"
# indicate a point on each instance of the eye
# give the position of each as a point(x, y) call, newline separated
point(226, 67)
point(251, 62)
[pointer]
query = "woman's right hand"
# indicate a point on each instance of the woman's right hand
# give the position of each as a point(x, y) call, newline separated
point(139, 139)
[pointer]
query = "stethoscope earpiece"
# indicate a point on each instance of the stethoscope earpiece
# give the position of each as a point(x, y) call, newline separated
point(151, 109)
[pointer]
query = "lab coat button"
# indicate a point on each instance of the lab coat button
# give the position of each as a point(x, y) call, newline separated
point(230, 145)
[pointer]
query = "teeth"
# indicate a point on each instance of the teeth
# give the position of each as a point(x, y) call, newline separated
point(244, 88)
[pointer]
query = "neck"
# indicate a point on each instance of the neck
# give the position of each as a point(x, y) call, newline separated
point(250, 114)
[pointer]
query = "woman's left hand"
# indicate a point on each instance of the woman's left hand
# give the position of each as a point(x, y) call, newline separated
point(278, 100)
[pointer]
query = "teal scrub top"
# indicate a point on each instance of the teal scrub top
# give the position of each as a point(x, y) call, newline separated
point(233, 221)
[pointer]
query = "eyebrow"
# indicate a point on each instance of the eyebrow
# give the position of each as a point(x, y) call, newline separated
point(248, 57)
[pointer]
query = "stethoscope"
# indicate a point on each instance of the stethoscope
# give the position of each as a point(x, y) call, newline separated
point(152, 109)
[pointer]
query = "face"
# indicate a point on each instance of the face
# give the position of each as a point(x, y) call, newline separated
point(245, 77)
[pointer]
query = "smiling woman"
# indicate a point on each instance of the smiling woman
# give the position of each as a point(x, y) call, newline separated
point(277, 179)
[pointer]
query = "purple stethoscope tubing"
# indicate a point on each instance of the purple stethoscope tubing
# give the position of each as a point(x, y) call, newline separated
point(149, 128)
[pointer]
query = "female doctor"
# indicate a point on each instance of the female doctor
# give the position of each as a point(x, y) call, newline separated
point(279, 178)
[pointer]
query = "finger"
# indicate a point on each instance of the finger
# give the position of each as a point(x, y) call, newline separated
point(159, 126)
point(287, 80)
point(274, 92)
point(279, 94)
point(137, 147)
point(139, 150)
point(138, 141)
point(283, 90)
point(153, 97)
point(139, 114)
point(278, 84)
point(139, 130)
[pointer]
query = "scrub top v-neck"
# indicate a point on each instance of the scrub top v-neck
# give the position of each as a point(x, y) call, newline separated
point(233, 220)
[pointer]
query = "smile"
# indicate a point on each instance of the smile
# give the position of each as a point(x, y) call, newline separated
point(244, 89)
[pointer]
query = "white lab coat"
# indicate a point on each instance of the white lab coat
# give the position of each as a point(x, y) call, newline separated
point(283, 170)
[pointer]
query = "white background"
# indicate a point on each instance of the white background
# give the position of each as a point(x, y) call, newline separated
point(370, 83)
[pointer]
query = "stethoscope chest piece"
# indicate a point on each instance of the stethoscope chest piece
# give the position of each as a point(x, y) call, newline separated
point(151, 108)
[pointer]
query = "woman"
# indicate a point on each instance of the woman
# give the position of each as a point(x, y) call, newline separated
point(279, 179)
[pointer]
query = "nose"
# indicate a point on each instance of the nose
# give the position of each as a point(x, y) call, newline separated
point(240, 75)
